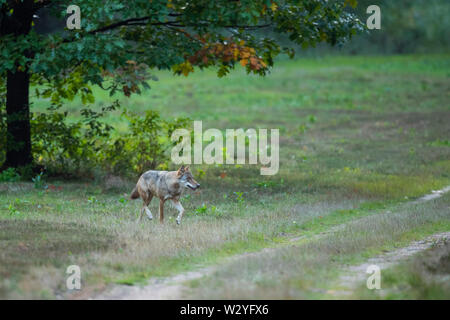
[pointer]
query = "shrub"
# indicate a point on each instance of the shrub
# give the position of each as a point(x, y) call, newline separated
point(38, 181)
point(9, 175)
point(82, 147)
point(73, 148)
point(146, 145)
point(55, 143)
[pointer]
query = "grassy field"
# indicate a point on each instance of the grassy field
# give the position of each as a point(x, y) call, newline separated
point(309, 269)
point(360, 137)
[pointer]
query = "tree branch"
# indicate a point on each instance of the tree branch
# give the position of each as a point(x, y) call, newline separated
point(128, 22)
point(41, 4)
point(143, 21)
point(121, 23)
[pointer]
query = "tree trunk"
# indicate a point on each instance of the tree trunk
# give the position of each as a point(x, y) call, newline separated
point(18, 137)
point(18, 146)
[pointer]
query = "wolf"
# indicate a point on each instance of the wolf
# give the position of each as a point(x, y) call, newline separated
point(165, 185)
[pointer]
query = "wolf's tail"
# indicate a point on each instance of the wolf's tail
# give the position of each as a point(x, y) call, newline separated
point(134, 194)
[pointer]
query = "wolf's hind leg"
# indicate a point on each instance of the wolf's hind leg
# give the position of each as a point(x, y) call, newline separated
point(147, 210)
point(180, 209)
point(149, 213)
point(146, 198)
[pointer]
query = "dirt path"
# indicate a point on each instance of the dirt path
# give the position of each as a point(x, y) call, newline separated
point(356, 275)
point(433, 195)
point(173, 287)
point(156, 289)
point(170, 288)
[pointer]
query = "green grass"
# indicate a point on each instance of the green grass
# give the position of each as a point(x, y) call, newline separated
point(357, 139)
point(309, 269)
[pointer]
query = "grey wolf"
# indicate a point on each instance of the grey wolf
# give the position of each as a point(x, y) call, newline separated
point(166, 185)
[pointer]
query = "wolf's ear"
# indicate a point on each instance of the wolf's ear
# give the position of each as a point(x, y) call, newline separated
point(186, 168)
point(181, 170)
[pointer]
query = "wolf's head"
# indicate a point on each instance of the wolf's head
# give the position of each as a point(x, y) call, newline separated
point(186, 178)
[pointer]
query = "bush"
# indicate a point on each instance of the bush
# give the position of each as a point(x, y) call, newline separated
point(55, 143)
point(72, 149)
point(66, 148)
point(146, 145)
point(9, 175)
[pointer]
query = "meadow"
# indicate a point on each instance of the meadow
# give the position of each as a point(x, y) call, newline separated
point(361, 137)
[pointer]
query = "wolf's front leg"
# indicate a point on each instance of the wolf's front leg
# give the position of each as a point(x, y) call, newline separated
point(161, 210)
point(140, 215)
point(180, 209)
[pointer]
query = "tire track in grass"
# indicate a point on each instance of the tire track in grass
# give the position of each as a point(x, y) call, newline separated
point(433, 195)
point(173, 287)
point(356, 275)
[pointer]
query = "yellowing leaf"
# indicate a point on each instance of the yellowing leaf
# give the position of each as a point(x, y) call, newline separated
point(245, 54)
point(243, 62)
point(187, 68)
point(236, 53)
point(274, 6)
point(183, 68)
point(352, 3)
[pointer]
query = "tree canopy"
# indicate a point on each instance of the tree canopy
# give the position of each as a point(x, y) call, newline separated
point(120, 42)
